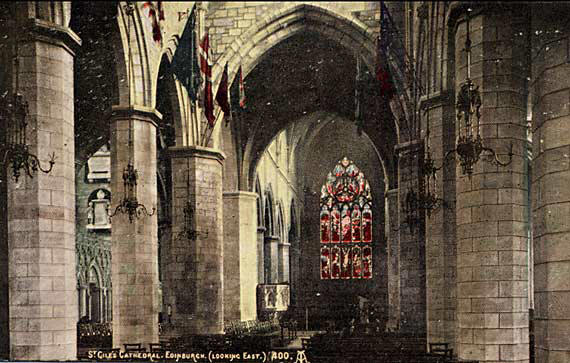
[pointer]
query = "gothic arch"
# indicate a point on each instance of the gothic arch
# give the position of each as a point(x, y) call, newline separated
point(139, 89)
point(169, 89)
point(351, 33)
point(269, 212)
point(251, 47)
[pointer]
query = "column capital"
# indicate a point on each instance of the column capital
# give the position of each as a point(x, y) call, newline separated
point(271, 239)
point(33, 29)
point(409, 147)
point(196, 152)
point(136, 112)
point(239, 194)
point(392, 192)
point(436, 99)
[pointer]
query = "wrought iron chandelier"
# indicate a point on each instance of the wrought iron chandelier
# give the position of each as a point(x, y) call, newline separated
point(129, 204)
point(13, 147)
point(469, 144)
point(190, 232)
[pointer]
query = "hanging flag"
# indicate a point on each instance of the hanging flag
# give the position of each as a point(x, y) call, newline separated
point(222, 94)
point(185, 60)
point(206, 60)
point(383, 74)
point(241, 89)
point(160, 10)
point(155, 14)
point(237, 94)
point(358, 95)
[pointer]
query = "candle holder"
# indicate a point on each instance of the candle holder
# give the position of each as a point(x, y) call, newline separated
point(129, 204)
point(190, 232)
point(469, 144)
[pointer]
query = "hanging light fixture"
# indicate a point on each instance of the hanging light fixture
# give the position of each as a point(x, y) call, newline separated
point(412, 210)
point(13, 147)
point(129, 204)
point(190, 232)
point(428, 199)
point(469, 144)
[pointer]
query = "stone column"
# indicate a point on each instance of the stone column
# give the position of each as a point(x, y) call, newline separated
point(393, 252)
point(550, 180)
point(492, 302)
point(283, 250)
point(260, 254)
point(82, 301)
point(412, 244)
point(240, 256)
point(134, 247)
point(271, 256)
point(193, 275)
point(441, 255)
point(41, 210)
point(295, 270)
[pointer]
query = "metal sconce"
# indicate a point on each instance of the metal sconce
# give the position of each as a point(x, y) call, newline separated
point(190, 232)
point(129, 204)
point(412, 210)
point(13, 146)
point(469, 145)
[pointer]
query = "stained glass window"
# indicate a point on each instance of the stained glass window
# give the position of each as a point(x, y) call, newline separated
point(346, 224)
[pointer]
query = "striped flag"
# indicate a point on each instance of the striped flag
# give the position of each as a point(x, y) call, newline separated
point(155, 13)
point(206, 61)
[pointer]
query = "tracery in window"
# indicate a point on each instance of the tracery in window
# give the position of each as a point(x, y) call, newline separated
point(346, 224)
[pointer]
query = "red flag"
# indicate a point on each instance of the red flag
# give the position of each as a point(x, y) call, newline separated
point(160, 10)
point(151, 12)
point(383, 74)
point(222, 94)
point(206, 71)
point(241, 89)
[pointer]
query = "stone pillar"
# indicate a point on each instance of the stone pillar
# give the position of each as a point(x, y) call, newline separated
point(240, 251)
point(82, 301)
point(283, 250)
point(134, 247)
point(412, 244)
point(193, 275)
point(4, 278)
point(260, 254)
point(271, 257)
point(550, 180)
point(492, 302)
point(295, 270)
point(41, 210)
point(441, 254)
point(393, 252)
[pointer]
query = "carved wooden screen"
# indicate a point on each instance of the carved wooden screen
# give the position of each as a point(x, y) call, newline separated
point(346, 224)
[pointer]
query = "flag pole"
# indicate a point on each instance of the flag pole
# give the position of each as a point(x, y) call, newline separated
point(195, 124)
point(212, 127)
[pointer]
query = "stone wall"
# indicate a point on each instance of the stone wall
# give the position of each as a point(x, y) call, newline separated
point(491, 235)
point(550, 193)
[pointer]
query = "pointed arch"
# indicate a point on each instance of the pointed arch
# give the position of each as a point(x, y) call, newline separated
point(351, 33)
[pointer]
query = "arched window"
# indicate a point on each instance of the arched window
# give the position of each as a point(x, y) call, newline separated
point(346, 224)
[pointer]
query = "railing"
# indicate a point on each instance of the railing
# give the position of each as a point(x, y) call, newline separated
point(94, 334)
